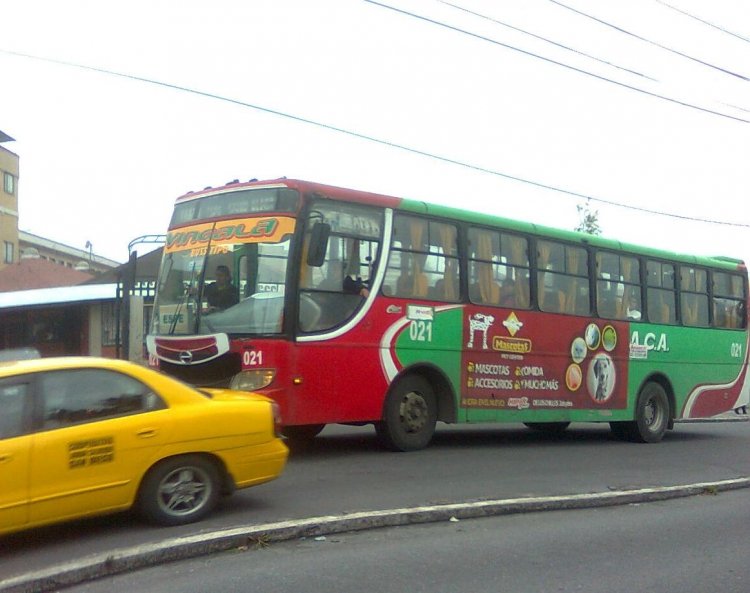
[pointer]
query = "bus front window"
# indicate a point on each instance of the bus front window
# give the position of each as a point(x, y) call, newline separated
point(176, 303)
point(245, 292)
point(333, 290)
point(233, 286)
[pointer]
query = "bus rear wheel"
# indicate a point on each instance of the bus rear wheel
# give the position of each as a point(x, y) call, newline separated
point(651, 416)
point(409, 415)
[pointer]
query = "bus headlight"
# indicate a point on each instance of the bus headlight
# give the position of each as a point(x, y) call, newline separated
point(253, 380)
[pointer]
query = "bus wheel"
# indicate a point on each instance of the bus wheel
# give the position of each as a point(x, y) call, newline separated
point(549, 427)
point(409, 416)
point(302, 433)
point(651, 415)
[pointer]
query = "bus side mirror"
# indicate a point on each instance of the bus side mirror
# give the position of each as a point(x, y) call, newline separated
point(316, 252)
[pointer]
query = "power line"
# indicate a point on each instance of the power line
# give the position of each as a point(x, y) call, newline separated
point(654, 43)
point(692, 16)
point(369, 138)
point(541, 38)
point(555, 62)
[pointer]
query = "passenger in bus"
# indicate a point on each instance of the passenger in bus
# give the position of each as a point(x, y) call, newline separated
point(221, 294)
point(356, 286)
point(508, 293)
point(633, 310)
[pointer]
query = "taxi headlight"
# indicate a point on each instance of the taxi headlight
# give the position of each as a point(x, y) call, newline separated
point(252, 380)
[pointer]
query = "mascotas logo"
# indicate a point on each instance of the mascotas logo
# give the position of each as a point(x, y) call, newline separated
point(228, 232)
point(512, 343)
point(479, 323)
point(512, 324)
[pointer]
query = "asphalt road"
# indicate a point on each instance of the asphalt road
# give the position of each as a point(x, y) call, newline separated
point(690, 545)
point(346, 471)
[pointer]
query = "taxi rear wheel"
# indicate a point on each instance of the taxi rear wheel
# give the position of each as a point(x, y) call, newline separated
point(179, 490)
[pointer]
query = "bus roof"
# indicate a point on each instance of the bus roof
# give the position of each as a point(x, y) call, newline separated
point(421, 207)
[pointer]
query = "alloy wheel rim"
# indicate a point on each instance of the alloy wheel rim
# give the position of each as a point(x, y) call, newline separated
point(184, 491)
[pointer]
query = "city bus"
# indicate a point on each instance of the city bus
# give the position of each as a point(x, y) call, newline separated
point(355, 308)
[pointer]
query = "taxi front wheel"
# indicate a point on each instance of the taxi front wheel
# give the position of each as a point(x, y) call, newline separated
point(179, 490)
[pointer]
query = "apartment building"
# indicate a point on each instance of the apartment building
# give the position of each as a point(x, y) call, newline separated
point(9, 167)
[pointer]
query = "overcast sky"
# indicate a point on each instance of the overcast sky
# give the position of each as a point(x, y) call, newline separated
point(612, 115)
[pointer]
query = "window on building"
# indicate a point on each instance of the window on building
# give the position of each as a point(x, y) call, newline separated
point(109, 324)
point(9, 183)
point(10, 252)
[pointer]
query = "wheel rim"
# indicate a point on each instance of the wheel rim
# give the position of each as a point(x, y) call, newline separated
point(413, 412)
point(184, 491)
point(653, 414)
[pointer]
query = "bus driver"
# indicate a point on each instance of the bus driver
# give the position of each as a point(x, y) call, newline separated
point(221, 294)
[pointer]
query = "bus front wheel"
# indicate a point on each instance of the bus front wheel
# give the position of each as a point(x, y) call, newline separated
point(409, 415)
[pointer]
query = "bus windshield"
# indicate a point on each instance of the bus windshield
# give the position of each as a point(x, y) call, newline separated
point(225, 276)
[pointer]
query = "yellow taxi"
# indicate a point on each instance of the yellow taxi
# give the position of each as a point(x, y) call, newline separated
point(85, 436)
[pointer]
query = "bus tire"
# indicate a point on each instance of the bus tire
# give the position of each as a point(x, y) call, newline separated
point(651, 415)
point(409, 415)
point(548, 427)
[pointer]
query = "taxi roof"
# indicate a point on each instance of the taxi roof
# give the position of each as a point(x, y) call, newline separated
point(9, 368)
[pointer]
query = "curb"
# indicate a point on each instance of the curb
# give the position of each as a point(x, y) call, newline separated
point(241, 538)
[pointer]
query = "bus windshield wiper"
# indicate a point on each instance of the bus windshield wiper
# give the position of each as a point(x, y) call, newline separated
point(183, 302)
point(178, 312)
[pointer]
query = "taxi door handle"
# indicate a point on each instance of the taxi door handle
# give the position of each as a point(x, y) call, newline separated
point(5, 457)
point(147, 433)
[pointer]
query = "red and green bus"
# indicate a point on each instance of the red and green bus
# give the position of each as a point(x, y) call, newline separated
point(354, 308)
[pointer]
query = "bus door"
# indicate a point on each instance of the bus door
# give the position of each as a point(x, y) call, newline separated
point(340, 254)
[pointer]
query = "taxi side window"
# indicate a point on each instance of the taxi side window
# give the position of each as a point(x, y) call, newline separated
point(87, 395)
point(13, 403)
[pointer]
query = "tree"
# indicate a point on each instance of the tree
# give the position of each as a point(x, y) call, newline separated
point(589, 222)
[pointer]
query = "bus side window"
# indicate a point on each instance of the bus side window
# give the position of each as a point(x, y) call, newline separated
point(562, 278)
point(660, 292)
point(728, 301)
point(327, 300)
point(618, 290)
point(424, 260)
point(498, 269)
point(694, 296)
